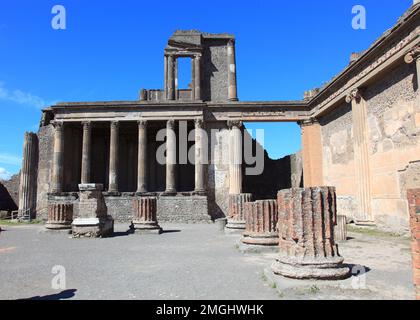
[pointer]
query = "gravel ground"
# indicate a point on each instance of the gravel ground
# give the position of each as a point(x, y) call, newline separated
point(185, 262)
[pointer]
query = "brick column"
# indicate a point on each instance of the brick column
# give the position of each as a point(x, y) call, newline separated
point(200, 153)
point(232, 91)
point(414, 56)
point(58, 159)
point(170, 157)
point(142, 157)
point(145, 220)
point(60, 216)
point(27, 197)
point(261, 223)
point(414, 211)
point(236, 214)
point(171, 78)
point(86, 153)
point(312, 153)
point(307, 249)
point(364, 215)
point(113, 157)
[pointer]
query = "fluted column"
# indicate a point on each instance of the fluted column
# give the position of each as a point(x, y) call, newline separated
point(235, 157)
point(364, 214)
point(170, 157)
point(113, 157)
point(58, 159)
point(197, 77)
point(145, 218)
point(199, 156)
point(171, 78)
point(86, 153)
point(232, 93)
point(27, 176)
point(142, 157)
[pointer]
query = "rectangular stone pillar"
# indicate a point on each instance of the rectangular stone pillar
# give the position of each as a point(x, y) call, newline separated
point(171, 78)
point(142, 157)
point(170, 157)
point(58, 159)
point(232, 91)
point(361, 158)
point(197, 77)
point(413, 196)
point(312, 153)
point(86, 153)
point(113, 157)
point(235, 157)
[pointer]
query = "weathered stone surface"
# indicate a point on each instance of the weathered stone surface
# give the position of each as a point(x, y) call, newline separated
point(236, 218)
point(60, 216)
point(340, 230)
point(261, 223)
point(145, 219)
point(187, 209)
point(414, 210)
point(93, 220)
point(307, 249)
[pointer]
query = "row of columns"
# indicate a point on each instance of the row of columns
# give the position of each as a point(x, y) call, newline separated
point(58, 158)
point(171, 76)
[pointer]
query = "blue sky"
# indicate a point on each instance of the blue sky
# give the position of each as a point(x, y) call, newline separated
point(111, 49)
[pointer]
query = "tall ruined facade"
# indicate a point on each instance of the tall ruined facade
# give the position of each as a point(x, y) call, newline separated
point(360, 134)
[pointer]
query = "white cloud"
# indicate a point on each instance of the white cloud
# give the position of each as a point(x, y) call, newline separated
point(4, 174)
point(21, 97)
point(6, 158)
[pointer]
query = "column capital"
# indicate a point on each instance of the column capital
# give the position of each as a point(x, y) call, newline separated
point(170, 124)
point(412, 55)
point(142, 123)
point(354, 95)
point(86, 125)
point(231, 42)
point(198, 55)
point(58, 125)
point(234, 123)
point(115, 124)
point(198, 122)
point(308, 122)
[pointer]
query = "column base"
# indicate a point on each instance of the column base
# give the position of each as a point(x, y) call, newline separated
point(236, 224)
point(146, 227)
point(51, 225)
point(169, 193)
point(364, 223)
point(322, 269)
point(268, 239)
point(199, 192)
point(93, 227)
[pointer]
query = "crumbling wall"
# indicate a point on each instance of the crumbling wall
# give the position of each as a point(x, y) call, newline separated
point(12, 186)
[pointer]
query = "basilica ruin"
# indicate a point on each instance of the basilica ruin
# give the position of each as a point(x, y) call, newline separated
point(360, 134)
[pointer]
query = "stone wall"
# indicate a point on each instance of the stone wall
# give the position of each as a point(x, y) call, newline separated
point(46, 145)
point(12, 188)
point(393, 125)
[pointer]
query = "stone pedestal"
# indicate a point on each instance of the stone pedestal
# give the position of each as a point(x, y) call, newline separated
point(145, 220)
point(236, 218)
point(261, 223)
point(60, 216)
point(340, 230)
point(93, 221)
point(306, 229)
point(414, 210)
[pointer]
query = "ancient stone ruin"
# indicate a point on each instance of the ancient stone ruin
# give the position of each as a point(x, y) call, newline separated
point(145, 220)
point(307, 249)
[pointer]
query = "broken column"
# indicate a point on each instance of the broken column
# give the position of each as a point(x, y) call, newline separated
point(232, 91)
point(414, 211)
point(145, 218)
point(28, 176)
point(236, 215)
point(60, 216)
point(307, 249)
point(340, 230)
point(93, 220)
point(261, 223)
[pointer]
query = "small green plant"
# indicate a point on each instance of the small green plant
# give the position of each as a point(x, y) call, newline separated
point(17, 222)
point(274, 285)
point(263, 276)
point(314, 289)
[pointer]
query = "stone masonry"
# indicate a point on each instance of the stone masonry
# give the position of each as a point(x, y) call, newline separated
point(145, 220)
point(60, 216)
point(307, 249)
point(414, 209)
point(261, 223)
point(236, 218)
